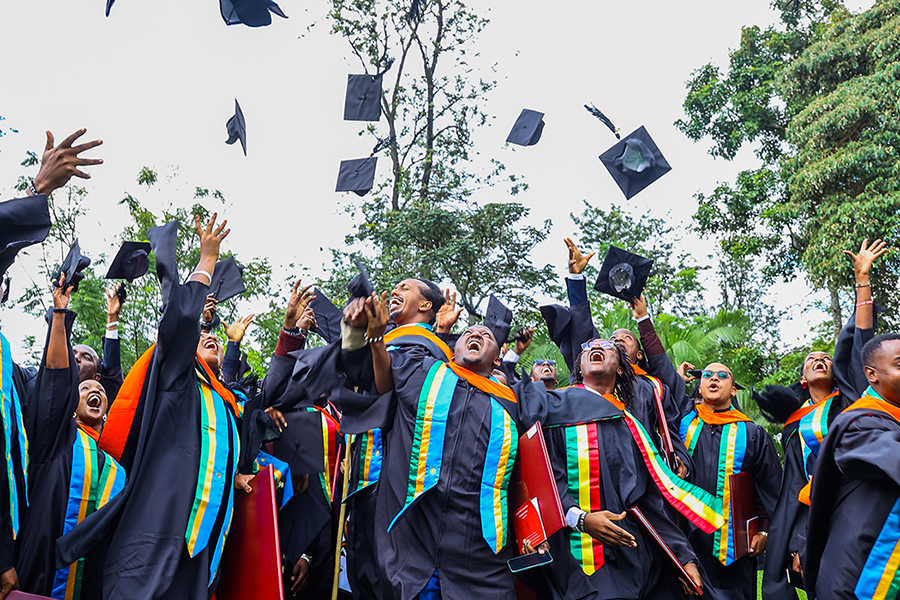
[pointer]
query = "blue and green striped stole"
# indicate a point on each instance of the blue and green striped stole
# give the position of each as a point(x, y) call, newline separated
point(812, 429)
point(90, 488)
point(282, 474)
point(13, 430)
point(370, 455)
point(428, 450)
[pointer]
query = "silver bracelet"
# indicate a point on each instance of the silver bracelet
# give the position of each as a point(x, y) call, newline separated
point(373, 340)
point(202, 272)
point(307, 557)
point(31, 189)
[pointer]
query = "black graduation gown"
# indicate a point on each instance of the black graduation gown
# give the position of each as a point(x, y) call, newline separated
point(111, 376)
point(855, 486)
point(146, 523)
point(442, 529)
point(738, 580)
point(787, 532)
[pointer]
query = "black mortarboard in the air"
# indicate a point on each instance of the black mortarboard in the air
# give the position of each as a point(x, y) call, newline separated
point(635, 162)
point(109, 5)
point(356, 175)
point(227, 281)
point(559, 326)
point(252, 13)
point(360, 286)
point(5, 284)
point(328, 317)
point(73, 266)
point(363, 100)
point(623, 274)
point(498, 318)
point(527, 129)
point(23, 222)
point(131, 262)
point(237, 127)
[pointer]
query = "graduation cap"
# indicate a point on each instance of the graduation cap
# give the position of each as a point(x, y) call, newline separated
point(356, 175)
point(698, 373)
point(237, 127)
point(363, 100)
point(227, 281)
point(527, 129)
point(623, 274)
point(635, 162)
point(4, 288)
point(23, 222)
point(73, 266)
point(252, 13)
point(131, 262)
point(360, 286)
point(109, 5)
point(328, 317)
point(498, 318)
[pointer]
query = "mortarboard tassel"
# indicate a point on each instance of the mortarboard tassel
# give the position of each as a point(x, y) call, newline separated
point(596, 112)
point(382, 144)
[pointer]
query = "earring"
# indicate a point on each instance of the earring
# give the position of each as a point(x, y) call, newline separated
point(75, 415)
point(804, 384)
point(104, 418)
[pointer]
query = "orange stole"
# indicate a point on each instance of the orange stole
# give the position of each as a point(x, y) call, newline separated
point(720, 418)
point(483, 383)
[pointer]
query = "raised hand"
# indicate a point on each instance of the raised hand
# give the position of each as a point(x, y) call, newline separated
point(307, 320)
point(209, 309)
point(378, 315)
point(61, 293)
point(683, 369)
point(639, 307)
point(235, 331)
point(211, 237)
point(355, 313)
point(113, 303)
point(60, 163)
point(448, 314)
point(577, 261)
point(297, 304)
point(523, 339)
point(862, 261)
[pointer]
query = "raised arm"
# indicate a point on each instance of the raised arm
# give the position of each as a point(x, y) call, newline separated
point(378, 317)
point(111, 375)
point(60, 163)
point(235, 334)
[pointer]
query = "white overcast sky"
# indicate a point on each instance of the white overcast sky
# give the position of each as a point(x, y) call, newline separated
point(157, 82)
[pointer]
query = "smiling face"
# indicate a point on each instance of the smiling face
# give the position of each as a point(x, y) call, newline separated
point(717, 386)
point(626, 340)
point(599, 360)
point(92, 404)
point(477, 350)
point(210, 350)
point(818, 370)
point(88, 362)
point(408, 304)
point(542, 370)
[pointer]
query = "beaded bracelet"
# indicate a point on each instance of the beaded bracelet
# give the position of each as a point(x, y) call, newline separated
point(863, 303)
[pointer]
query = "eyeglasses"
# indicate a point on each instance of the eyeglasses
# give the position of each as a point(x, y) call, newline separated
point(542, 361)
point(602, 344)
point(718, 374)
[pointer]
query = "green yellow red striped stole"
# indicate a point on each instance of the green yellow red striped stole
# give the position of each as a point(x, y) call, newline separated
point(583, 480)
point(282, 471)
point(420, 330)
point(427, 451)
point(732, 450)
point(370, 447)
point(90, 488)
point(331, 435)
point(13, 430)
point(220, 445)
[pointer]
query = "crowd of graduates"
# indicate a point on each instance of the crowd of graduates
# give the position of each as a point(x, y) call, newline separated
point(395, 444)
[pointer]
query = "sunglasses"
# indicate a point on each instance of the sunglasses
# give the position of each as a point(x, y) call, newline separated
point(718, 374)
point(602, 344)
point(542, 361)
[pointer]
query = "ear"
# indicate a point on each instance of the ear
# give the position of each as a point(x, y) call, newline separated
point(425, 306)
point(97, 376)
point(620, 371)
point(871, 374)
point(639, 355)
point(803, 381)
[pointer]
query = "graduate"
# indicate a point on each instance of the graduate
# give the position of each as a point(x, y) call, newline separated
point(827, 386)
point(69, 476)
point(604, 464)
point(175, 428)
point(107, 371)
point(724, 441)
point(854, 516)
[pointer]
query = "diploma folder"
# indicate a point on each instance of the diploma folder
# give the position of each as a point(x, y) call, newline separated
point(664, 549)
point(251, 560)
point(744, 516)
point(539, 512)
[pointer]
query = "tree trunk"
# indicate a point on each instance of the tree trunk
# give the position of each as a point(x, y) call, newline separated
point(837, 319)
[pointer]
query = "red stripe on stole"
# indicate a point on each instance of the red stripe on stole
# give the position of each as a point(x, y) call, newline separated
point(594, 464)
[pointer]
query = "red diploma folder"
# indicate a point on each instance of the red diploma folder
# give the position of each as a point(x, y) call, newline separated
point(664, 549)
point(539, 512)
point(251, 561)
point(744, 517)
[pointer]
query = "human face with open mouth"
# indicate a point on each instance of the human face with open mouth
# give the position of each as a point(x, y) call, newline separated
point(717, 386)
point(543, 370)
point(818, 368)
point(210, 350)
point(599, 358)
point(92, 404)
point(407, 302)
point(477, 350)
point(627, 342)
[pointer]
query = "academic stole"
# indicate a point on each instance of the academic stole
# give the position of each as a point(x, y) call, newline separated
point(880, 576)
point(428, 448)
point(331, 435)
point(90, 488)
point(282, 472)
point(218, 438)
point(583, 479)
point(812, 427)
point(11, 413)
point(370, 456)
point(732, 450)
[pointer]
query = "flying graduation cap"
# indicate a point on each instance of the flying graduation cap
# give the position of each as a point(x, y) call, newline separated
point(109, 5)
point(73, 266)
point(498, 318)
point(23, 222)
point(623, 274)
point(252, 13)
point(635, 162)
point(356, 175)
point(360, 286)
point(527, 129)
point(131, 262)
point(363, 100)
point(237, 127)
point(328, 317)
point(227, 281)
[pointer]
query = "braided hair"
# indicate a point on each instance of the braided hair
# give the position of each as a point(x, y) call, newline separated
point(624, 387)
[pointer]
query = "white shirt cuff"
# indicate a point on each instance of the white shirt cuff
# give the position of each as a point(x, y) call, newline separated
point(575, 276)
point(511, 356)
point(112, 334)
point(573, 515)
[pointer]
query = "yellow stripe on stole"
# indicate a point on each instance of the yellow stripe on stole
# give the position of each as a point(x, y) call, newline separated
point(326, 439)
point(693, 428)
point(498, 481)
point(426, 428)
point(887, 578)
point(368, 459)
point(83, 506)
point(206, 394)
point(110, 482)
point(726, 494)
point(584, 495)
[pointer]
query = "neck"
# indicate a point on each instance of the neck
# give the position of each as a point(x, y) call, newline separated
point(98, 427)
point(718, 406)
point(479, 368)
point(819, 392)
point(602, 385)
point(416, 319)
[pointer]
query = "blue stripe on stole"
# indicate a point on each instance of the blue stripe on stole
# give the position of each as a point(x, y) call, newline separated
point(686, 423)
point(435, 457)
point(879, 575)
point(229, 507)
point(222, 471)
point(493, 500)
point(12, 413)
point(282, 473)
point(740, 451)
point(377, 454)
point(76, 489)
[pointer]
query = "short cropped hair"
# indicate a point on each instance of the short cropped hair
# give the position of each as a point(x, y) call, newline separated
point(874, 345)
point(433, 294)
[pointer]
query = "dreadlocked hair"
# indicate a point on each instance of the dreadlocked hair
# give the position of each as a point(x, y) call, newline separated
point(624, 387)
